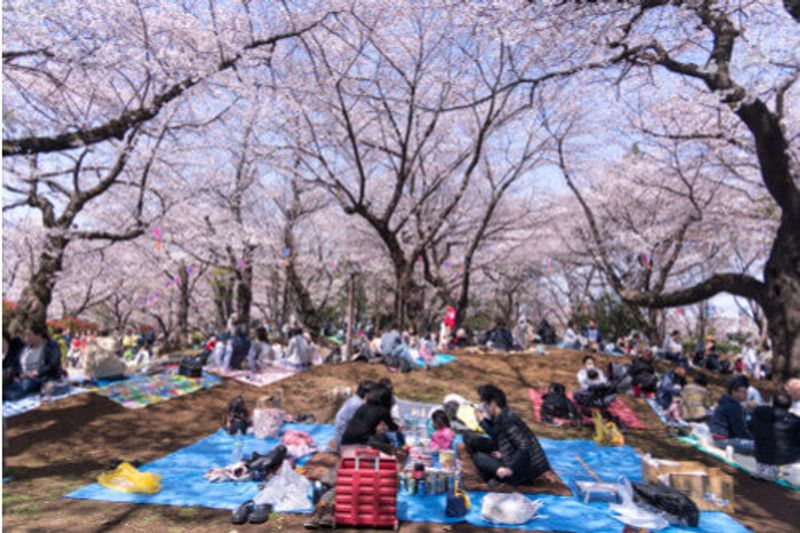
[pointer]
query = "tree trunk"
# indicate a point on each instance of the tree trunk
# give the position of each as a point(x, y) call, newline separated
point(38, 293)
point(244, 294)
point(222, 285)
point(183, 302)
point(782, 301)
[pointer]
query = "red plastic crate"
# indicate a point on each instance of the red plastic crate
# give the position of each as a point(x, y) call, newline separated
point(366, 490)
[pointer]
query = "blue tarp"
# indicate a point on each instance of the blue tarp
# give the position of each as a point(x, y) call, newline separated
point(182, 481)
point(438, 360)
point(565, 513)
point(183, 484)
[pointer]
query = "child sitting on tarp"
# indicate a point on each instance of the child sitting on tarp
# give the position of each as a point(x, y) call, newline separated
point(777, 436)
point(443, 437)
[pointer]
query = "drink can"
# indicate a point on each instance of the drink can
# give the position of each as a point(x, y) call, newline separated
point(412, 486)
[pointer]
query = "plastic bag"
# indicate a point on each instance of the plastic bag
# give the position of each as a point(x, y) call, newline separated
point(125, 478)
point(287, 492)
point(298, 443)
point(512, 509)
point(629, 513)
point(267, 421)
point(606, 433)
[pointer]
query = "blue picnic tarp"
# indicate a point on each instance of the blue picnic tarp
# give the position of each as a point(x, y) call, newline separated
point(183, 484)
point(182, 481)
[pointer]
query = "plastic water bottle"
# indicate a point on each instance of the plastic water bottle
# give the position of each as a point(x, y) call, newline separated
point(238, 446)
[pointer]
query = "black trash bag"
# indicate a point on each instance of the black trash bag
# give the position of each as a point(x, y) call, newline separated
point(675, 506)
point(236, 418)
point(263, 466)
point(555, 404)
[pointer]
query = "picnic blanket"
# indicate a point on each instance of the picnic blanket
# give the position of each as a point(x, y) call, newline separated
point(438, 360)
point(561, 513)
point(547, 483)
point(744, 463)
point(617, 408)
point(33, 401)
point(660, 413)
point(142, 390)
point(182, 481)
point(272, 374)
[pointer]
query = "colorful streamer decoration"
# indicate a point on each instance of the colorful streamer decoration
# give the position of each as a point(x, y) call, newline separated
point(157, 235)
point(287, 252)
point(335, 264)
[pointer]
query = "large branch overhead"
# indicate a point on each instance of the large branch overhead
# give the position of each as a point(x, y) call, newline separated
point(736, 284)
point(117, 127)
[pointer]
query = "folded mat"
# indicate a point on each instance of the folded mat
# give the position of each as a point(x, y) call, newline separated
point(744, 463)
point(265, 377)
point(33, 401)
point(547, 483)
point(142, 390)
point(182, 481)
point(617, 408)
point(564, 513)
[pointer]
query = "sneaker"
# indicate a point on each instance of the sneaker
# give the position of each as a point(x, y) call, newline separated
point(321, 519)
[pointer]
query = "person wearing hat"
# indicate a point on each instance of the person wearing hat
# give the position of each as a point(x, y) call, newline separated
point(711, 354)
point(728, 424)
point(460, 340)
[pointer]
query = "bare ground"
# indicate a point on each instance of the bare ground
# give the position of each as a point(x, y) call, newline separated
point(65, 445)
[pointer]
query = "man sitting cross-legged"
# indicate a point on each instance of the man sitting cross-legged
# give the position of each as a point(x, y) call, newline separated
point(511, 453)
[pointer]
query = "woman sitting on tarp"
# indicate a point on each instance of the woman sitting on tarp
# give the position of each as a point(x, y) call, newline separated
point(261, 353)
point(236, 350)
point(511, 453)
point(371, 422)
point(30, 364)
point(298, 352)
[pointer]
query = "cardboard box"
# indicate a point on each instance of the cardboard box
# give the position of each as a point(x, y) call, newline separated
point(693, 479)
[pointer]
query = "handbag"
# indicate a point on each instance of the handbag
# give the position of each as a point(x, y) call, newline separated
point(190, 369)
point(457, 502)
point(267, 421)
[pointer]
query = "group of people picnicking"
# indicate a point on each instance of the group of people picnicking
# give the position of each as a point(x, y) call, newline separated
point(506, 452)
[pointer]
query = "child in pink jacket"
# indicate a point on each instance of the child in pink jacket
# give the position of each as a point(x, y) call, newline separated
point(442, 438)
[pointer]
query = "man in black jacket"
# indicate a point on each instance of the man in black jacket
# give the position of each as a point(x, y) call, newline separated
point(643, 373)
point(777, 435)
point(32, 363)
point(499, 337)
point(512, 452)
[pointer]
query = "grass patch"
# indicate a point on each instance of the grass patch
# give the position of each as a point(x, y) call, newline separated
point(187, 512)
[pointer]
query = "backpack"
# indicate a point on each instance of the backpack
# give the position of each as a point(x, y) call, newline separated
point(556, 404)
point(676, 506)
point(236, 418)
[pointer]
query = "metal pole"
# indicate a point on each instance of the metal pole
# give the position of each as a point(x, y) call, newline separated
point(349, 333)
